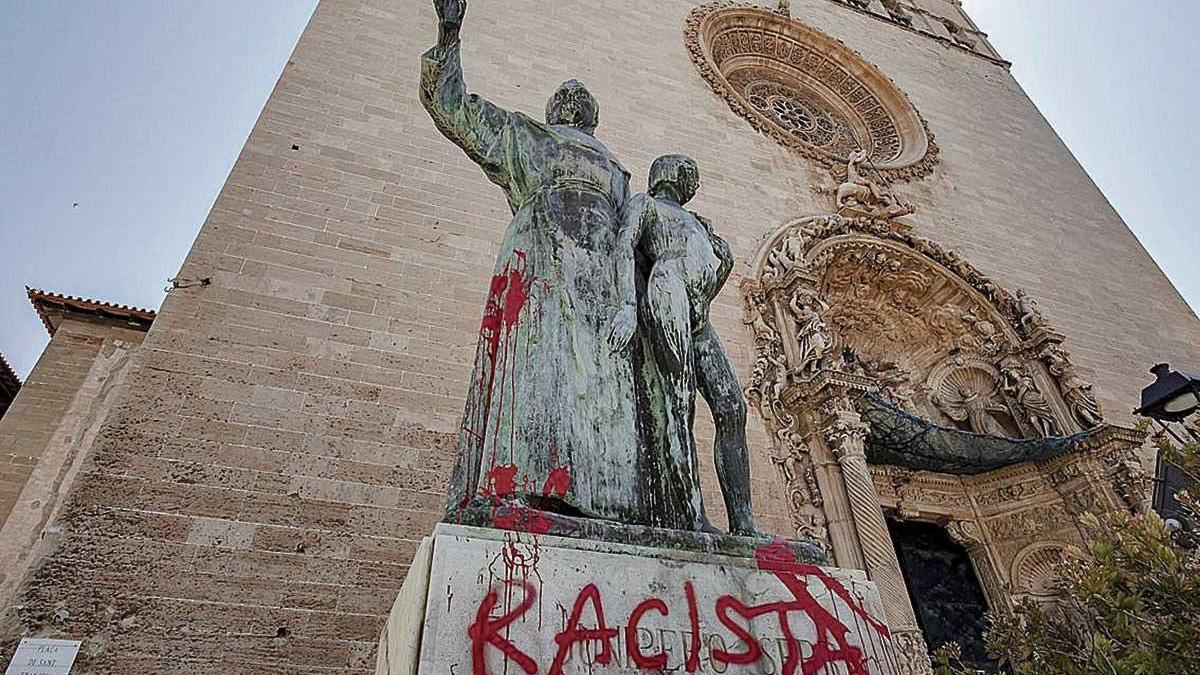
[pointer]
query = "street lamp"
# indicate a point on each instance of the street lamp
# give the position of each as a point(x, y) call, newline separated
point(1172, 397)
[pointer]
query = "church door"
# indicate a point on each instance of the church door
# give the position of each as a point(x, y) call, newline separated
point(945, 592)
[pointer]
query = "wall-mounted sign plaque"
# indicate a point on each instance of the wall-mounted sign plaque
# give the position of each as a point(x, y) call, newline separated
point(43, 656)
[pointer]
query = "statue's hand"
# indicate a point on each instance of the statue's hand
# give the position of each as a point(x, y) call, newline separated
point(450, 17)
point(624, 325)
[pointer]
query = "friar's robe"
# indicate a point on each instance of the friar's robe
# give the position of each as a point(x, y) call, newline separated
point(551, 410)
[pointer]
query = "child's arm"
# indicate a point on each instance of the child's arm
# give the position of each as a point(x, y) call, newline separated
point(720, 248)
point(634, 218)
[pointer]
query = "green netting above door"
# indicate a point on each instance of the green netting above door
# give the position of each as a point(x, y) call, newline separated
point(899, 438)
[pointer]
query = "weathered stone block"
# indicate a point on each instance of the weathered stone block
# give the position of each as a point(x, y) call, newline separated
point(489, 601)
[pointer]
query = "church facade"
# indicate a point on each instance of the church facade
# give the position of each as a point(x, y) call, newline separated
point(939, 321)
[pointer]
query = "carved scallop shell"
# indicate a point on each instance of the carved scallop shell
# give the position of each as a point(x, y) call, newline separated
point(1035, 571)
point(961, 383)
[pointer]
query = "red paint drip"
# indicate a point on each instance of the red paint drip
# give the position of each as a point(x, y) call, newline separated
point(693, 659)
point(487, 632)
point(518, 292)
point(832, 644)
point(558, 483)
point(508, 293)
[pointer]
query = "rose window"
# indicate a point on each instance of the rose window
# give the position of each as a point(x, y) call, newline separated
point(807, 90)
point(805, 120)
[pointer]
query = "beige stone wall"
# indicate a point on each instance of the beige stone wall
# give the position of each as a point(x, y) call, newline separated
point(36, 411)
point(46, 401)
point(253, 503)
point(51, 428)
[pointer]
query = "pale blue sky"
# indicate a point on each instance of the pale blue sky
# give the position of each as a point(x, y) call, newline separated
point(136, 110)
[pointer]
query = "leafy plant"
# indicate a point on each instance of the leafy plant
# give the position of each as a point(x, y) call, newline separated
point(1129, 603)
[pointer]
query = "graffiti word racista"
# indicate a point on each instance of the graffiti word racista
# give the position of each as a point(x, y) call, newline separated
point(587, 626)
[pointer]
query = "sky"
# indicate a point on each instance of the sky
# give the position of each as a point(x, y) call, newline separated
point(120, 119)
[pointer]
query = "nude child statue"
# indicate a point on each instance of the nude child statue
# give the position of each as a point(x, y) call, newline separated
point(683, 265)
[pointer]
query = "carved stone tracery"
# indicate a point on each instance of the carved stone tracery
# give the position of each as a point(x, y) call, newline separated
point(807, 90)
point(966, 352)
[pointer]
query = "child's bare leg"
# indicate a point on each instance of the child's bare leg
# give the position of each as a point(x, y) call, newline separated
point(719, 386)
point(669, 332)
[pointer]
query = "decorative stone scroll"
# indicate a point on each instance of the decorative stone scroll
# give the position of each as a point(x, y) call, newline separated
point(807, 90)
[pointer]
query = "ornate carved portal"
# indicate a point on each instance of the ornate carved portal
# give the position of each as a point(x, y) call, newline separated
point(852, 313)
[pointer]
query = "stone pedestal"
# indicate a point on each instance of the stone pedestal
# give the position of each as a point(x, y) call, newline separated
point(486, 601)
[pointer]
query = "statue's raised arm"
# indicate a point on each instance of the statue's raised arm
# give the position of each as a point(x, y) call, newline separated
point(550, 419)
point(450, 17)
point(471, 122)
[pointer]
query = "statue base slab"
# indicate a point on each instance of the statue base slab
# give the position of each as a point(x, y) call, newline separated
point(486, 600)
point(517, 517)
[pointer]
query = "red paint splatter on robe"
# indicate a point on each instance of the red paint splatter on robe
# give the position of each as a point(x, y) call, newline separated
point(518, 292)
point(508, 292)
point(501, 481)
point(558, 483)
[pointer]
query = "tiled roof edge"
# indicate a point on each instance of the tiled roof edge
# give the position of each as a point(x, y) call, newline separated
point(43, 300)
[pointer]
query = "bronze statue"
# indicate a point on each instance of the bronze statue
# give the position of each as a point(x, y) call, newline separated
point(684, 265)
point(558, 419)
point(550, 419)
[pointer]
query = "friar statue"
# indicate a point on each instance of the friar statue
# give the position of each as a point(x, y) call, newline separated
point(551, 415)
point(683, 265)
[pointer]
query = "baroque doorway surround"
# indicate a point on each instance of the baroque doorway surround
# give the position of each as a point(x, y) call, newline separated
point(898, 381)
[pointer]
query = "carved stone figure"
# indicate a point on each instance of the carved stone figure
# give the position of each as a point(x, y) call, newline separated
point(780, 378)
point(898, 12)
point(979, 410)
point(803, 495)
point(550, 416)
point(789, 255)
point(968, 395)
point(1078, 395)
point(894, 383)
point(784, 8)
point(985, 334)
point(860, 193)
point(959, 34)
point(1056, 358)
point(1029, 315)
point(1018, 383)
point(758, 323)
point(684, 265)
point(1075, 391)
point(812, 335)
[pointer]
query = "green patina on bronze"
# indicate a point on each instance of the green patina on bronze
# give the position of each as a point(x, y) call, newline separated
point(595, 337)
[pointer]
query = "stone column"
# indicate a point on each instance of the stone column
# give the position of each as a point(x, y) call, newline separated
point(845, 436)
point(839, 516)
